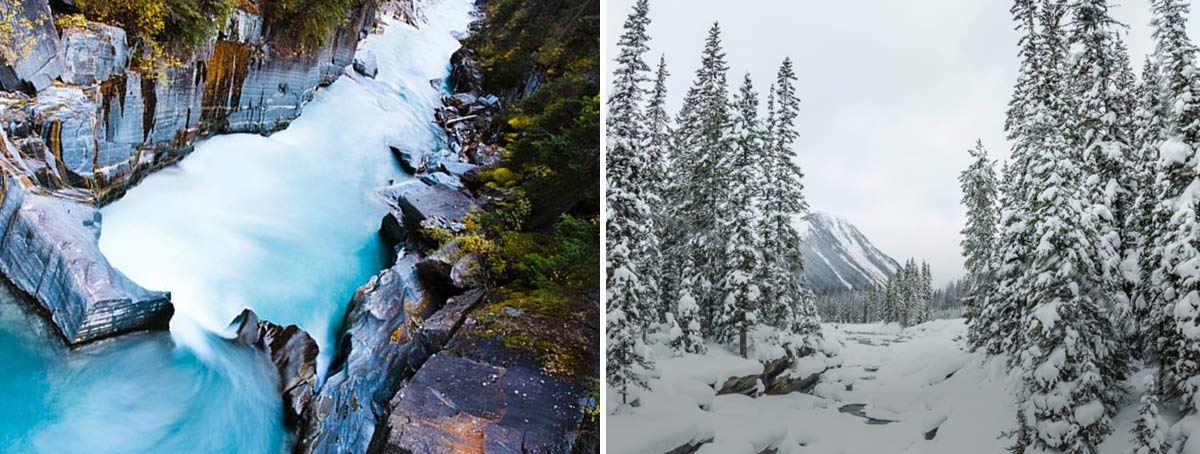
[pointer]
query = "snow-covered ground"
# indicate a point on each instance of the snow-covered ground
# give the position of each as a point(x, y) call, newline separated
point(894, 389)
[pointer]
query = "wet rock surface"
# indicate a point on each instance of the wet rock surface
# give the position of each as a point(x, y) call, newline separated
point(416, 205)
point(383, 343)
point(479, 396)
point(49, 251)
point(292, 351)
point(466, 76)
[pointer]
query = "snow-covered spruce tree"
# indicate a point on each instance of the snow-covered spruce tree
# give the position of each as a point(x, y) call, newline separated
point(923, 313)
point(1149, 430)
point(661, 170)
point(1142, 225)
point(628, 362)
point(740, 294)
point(1176, 251)
point(782, 199)
point(1071, 360)
point(685, 335)
point(630, 232)
point(979, 236)
point(889, 310)
point(703, 141)
point(1099, 124)
point(910, 286)
point(996, 327)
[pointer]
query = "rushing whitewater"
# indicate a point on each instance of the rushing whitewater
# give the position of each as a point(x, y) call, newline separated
point(286, 225)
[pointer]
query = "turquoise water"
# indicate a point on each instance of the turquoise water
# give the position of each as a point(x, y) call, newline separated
point(286, 225)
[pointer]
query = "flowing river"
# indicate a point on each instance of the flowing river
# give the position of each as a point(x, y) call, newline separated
point(286, 225)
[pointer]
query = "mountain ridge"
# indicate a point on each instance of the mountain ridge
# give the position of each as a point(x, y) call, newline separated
point(837, 256)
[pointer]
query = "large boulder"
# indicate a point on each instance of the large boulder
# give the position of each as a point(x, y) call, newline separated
point(366, 64)
point(777, 377)
point(92, 53)
point(50, 252)
point(466, 75)
point(416, 206)
point(292, 351)
point(381, 345)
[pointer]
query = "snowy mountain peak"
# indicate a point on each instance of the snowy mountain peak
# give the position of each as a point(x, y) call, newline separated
point(837, 256)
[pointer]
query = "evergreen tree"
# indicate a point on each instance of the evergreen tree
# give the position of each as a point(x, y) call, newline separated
point(1100, 124)
point(1176, 251)
point(685, 334)
point(1071, 362)
point(998, 322)
point(630, 230)
point(703, 141)
point(1149, 430)
point(926, 295)
point(1142, 226)
point(782, 200)
point(741, 295)
point(661, 165)
point(979, 235)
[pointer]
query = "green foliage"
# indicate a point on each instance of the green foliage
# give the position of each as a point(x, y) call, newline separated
point(572, 260)
point(552, 134)
point(192, 22)
point(302, 25)
point(182, 23)
point(542, 239)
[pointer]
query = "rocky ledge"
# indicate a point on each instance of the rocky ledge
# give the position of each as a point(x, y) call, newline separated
point(49, 252)
point(418, 368)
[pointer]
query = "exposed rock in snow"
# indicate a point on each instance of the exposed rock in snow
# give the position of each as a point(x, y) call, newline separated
point(837, 256)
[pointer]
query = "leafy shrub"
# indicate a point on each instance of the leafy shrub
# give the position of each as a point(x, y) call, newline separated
point(571, 262)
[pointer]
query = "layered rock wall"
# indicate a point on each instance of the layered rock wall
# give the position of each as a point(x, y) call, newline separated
point(117, 124)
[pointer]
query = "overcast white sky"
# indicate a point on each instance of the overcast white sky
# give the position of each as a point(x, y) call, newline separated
point(892, 93)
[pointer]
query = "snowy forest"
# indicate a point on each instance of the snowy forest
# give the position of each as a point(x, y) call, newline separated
point(1083, 254)
point(701, 244)
point(1081, 294)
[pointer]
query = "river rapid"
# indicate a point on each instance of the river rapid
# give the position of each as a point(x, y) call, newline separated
point(286, 225)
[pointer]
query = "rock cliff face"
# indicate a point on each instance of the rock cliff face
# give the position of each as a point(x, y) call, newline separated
point(39, 66)
point(108, 125)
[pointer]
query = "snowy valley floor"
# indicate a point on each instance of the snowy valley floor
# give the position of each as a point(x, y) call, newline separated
point(893, 389)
